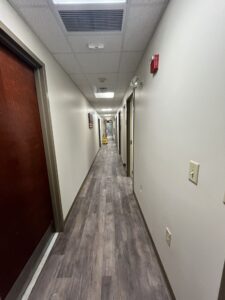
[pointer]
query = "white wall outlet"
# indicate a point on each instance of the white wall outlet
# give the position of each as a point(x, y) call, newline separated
point(168, 236)
point(193, 171)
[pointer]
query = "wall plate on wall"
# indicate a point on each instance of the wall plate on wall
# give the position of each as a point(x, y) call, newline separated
point(168, 236)
point(193, 171)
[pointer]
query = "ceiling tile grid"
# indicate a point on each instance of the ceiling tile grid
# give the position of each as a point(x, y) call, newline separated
point(68, 62)
point(99, 62)
point(43, 23)
point(103, 80)
point(29, 2)
point(79, 44)
point(134, 41)
point(129, 61)
point(112, 67)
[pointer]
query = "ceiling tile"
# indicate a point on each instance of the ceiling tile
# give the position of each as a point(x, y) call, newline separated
point(86, 90)
point(99, 62)
point(129, 61)
point(80, 43)
point(110, 80)
point(141, 24)
point(122, 51)
point(78, 77)
point(43, 23)
point(68, 62)
point(29, 2)
point(80, 80)
point(124, 80)
point(108, 103)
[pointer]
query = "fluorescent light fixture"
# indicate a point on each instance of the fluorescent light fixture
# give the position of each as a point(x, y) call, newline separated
point(87, 1)
point(104, 95)
point(107, 115)
point(94, 46)
point(106, 109)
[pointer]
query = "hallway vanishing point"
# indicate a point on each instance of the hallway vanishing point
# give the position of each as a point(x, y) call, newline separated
point(105, 251)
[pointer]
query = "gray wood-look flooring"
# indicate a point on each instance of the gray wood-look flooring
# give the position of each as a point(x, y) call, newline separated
point(105, 252)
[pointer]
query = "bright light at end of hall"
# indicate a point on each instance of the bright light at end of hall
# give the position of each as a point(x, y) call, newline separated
point(87, 1)
point(106, 109)
point(104, 95)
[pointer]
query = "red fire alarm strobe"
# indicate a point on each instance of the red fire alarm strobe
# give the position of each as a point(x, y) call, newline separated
point(155, 63)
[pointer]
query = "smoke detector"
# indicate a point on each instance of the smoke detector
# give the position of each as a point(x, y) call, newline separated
point(102, 79)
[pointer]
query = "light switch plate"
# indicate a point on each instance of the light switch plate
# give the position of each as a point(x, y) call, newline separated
point(168, 236)
point(193, 171)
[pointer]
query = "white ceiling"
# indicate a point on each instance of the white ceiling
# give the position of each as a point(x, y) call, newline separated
point(117, 62)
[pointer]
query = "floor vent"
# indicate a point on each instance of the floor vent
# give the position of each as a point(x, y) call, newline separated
point(92, 20)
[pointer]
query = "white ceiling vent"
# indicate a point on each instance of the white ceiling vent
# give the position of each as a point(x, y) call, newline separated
point(92, 20)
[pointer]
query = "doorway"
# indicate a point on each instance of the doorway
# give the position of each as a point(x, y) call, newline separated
point(99, 133)
point(222, 286)
point(109, 129)
point(28, 174)
point(119, 131)
point(130, 134)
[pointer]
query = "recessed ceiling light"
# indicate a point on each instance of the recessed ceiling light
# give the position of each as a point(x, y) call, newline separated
point(94, 46)
point(104, 95)
point(106, 109)
point(87, 1)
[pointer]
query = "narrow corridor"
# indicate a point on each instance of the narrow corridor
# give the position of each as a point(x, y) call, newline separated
point(105, 251)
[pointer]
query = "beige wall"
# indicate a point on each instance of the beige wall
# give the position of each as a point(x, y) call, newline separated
point(75, 144)
point(180, 116)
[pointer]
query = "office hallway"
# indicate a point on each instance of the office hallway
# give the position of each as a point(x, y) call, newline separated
point(105, 251)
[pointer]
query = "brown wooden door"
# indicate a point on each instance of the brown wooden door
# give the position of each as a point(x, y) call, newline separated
point(25, 203)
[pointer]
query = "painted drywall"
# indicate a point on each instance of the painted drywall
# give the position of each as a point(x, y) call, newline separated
point(180, 116)
point(75, 144)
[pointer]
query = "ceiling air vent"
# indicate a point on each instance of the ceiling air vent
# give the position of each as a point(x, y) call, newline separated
point(92, 20)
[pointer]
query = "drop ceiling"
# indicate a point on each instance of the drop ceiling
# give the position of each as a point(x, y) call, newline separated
point(112, 67)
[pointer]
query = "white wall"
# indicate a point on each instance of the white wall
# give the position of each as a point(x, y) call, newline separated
point(76, 145)
point(180, 116)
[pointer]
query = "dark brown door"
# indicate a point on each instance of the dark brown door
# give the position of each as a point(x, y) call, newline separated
point(25, 203)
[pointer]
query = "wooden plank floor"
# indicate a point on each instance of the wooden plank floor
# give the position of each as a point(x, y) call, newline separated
point(105, 252)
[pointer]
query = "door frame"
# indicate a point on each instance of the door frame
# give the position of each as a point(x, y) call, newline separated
point(128, 102)
point(119, 131)
point(222, 286)
point(99, 132)
point(9, 40)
